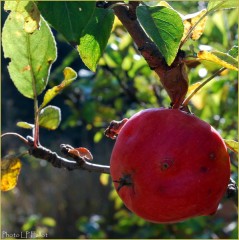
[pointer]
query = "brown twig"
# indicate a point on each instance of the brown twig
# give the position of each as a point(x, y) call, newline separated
point(59, 162)
point(16, 135)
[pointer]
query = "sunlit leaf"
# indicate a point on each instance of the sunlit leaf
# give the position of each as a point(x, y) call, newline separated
point(10, 170)
point(25, 125)
point(69, 76)
point(29, 11)
point(233, 145)
point(31, 54)
point(190, 20)
point(50, 117)
point(233, 52)
point(81, 152)
point(220, 58)
point(215, 5)
point(164, 26)
point(93, 42)
point(68, 17)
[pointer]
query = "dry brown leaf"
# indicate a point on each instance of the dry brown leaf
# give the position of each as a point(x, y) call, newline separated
point(81, 152)
point(190, 20)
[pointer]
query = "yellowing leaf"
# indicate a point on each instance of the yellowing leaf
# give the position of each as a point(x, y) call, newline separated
point(69, 76)
point(25, 125)
point(233, 145)
point(31, 55)
point(28, 10)
point(117, 23)
point(10, 169)
point(220, 58)
point(190, 20)
point(164, 4)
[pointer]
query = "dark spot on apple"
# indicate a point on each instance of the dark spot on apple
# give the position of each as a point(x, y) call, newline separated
point(203, 169)
point(209, 191)
point(212, 156)
point(166, 164)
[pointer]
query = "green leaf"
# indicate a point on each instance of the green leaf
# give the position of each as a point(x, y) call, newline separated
point(215, 5)
point(50, 117)
point(95, 37)
point(233, 145)
point(10, 170)
point(220, 58)
point(233, 51)
point(68, 18)
point(29, 11)
point(25, 125)
point(69, 76)
point(31, 54)
point(165, 27)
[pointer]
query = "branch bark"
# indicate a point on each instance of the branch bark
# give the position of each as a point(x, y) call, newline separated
point(60, 162)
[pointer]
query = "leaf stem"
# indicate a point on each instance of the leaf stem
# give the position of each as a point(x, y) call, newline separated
point(15, 134)
point(36, 110)
point(186, 101)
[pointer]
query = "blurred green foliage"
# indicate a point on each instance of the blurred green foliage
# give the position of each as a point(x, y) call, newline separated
point(122, 85)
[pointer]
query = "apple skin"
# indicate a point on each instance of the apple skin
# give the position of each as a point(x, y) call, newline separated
point(169, 166)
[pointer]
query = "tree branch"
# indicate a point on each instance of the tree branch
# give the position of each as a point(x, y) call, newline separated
point(173, 78)
point(59, 162)
point(81, 164)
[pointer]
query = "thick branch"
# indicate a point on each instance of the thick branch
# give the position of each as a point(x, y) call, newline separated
point(173, 78)
point(59, 162)
point(147, 48)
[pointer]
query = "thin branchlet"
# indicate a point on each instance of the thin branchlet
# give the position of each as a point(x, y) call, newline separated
point(60, 162)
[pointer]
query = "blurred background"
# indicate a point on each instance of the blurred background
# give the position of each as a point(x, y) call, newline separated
point(79, 204)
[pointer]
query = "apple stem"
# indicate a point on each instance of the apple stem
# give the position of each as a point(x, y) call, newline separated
point(124, 181)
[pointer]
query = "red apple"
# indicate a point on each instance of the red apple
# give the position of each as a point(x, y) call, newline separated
point(168, 166)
